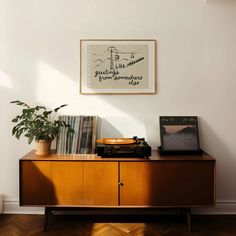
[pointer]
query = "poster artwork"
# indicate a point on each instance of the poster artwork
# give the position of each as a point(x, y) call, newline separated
point(119, 66)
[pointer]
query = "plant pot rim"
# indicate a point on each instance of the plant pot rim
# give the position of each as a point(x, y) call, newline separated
point(43, 141)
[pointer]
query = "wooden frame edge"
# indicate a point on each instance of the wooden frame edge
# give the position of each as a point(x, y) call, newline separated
point(155, 67)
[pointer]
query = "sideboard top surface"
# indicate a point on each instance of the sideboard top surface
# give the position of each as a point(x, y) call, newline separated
point(31, 156)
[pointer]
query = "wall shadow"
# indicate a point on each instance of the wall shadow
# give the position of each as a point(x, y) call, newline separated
point(219, 2)
point(108, 130)
point(123, 127)
point(36, 187)
point(225, 160)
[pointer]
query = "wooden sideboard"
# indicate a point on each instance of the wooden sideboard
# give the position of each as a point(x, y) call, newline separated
point(90, 181)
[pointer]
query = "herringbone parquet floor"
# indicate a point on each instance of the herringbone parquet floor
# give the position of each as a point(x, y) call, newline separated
point(73, 225)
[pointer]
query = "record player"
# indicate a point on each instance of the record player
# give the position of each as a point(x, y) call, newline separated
point(123, 147)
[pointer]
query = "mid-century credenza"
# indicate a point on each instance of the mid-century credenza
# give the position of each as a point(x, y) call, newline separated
point(58, 181)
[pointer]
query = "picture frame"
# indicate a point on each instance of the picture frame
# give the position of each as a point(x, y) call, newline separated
point(179, 134)
point(118, 66)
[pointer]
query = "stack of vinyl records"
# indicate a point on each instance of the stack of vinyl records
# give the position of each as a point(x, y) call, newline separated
point(82, 141)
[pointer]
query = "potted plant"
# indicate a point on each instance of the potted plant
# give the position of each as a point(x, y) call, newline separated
point(39, 124)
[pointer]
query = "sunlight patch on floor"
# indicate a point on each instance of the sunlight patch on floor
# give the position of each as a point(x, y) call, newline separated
point(118, 229)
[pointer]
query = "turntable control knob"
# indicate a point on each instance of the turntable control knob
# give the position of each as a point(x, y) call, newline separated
point(121, 184)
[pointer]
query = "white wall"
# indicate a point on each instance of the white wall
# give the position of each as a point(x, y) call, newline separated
point(39, 58)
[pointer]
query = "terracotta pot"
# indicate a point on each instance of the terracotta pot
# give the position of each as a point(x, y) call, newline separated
point(42, 147)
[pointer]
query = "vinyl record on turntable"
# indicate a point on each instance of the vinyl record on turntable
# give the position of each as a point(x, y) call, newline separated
point(123, 147)
point(119, 141)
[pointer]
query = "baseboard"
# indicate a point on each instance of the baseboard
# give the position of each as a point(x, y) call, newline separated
point(13, 207)
point(1, 203)
point(224, 207)
point(221, 208)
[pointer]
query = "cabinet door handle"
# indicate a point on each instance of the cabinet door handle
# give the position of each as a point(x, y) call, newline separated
point(121, 184)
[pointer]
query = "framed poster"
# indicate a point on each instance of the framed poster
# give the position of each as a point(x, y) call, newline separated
point(117, 66)
point(179, 133)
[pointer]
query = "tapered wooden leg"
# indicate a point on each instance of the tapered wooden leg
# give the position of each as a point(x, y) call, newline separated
point(46, 215)
point(189, 220)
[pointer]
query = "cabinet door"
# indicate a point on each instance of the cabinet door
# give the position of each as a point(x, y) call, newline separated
point(139, 185)
point(67, 178)
point(101, 183)
point(170, 183)
point(35, 183)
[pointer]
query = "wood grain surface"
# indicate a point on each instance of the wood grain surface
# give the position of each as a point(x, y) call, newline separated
point(101, 183)
point(67, 181)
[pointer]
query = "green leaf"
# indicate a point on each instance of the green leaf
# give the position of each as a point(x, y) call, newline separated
point(14, 130)
point(31, 138)
point(40, 107)
point(71, 130)
point(19, 103)
point(15, 120)
point(58, 108)
point(46, 113)
point(19, 132)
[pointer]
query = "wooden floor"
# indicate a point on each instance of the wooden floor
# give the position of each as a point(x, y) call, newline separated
point(123, 225)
